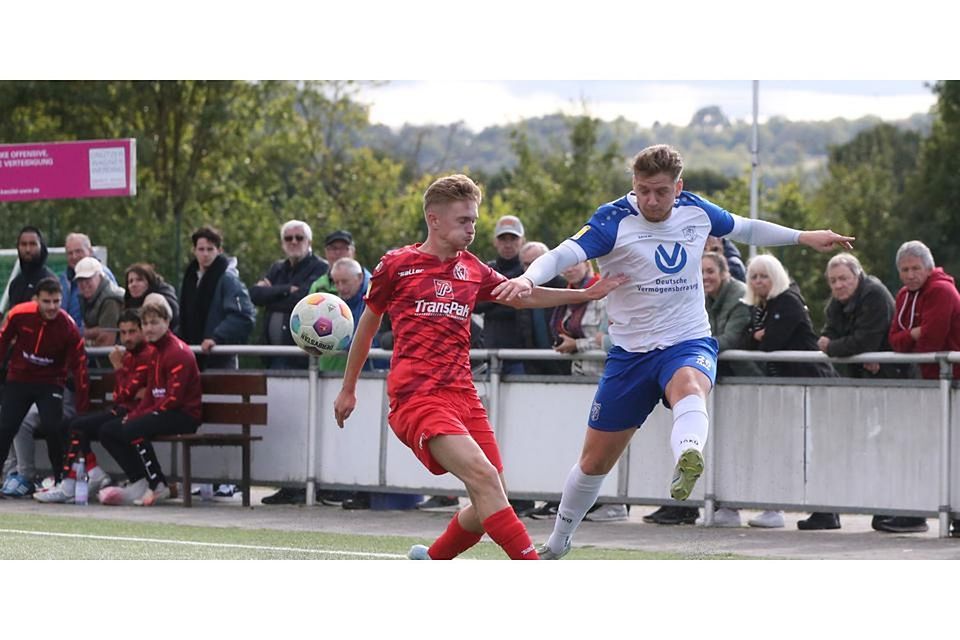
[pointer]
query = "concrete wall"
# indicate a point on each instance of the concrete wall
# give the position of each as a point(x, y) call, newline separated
point(815, 444)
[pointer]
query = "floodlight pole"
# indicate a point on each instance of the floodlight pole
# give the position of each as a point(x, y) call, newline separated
point(754, 161)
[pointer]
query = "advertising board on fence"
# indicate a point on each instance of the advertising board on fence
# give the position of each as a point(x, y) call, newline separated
point(81, 169)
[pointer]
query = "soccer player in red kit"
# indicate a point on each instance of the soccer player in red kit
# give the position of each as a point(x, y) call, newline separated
point(46, 344)
point(429, 290)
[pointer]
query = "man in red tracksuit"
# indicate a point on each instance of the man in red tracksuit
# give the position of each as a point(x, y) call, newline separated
point(131, 366)
point(926, 318)
point(45, 344)
point(170, 405)
point(927, 313)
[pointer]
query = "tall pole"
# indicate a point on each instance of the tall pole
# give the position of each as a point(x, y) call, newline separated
point(754, 160)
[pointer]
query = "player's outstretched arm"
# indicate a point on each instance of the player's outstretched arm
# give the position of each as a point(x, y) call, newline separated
point(346, 400)
point(825, 240)
point(513, 289)
point(549, 297)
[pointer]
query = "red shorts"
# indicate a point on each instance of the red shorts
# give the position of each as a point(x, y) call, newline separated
point(415, 419)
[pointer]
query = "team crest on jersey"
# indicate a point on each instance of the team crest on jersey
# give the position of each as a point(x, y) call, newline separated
point(460, 272)
point(443, 288)
point(671, 262)
point(579, 234)
point(689, 234)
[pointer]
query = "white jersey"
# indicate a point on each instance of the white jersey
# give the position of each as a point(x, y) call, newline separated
point(663, 302)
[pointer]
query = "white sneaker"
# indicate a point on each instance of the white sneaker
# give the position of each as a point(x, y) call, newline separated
point(608, 513)
point(767, 520)
point(724, 517)
point(62, 493)
point(418, 552)
point(98, 479)
point(153, 496)
point(124, 495)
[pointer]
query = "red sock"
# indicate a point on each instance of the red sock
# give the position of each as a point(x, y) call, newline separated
point(454, 541)
point(507, 531)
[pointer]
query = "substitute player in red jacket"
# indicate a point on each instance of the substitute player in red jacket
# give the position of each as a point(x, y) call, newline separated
point(131, 367)
point(45, 345)
point(429, 291)
point(170, 405)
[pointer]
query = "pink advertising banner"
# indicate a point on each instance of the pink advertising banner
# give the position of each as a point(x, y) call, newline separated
point(82, 169)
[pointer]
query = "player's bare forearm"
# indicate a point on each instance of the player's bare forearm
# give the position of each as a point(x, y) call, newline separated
point(346, 400)
point(360, 347)
point(549, 297)
point(825, 240)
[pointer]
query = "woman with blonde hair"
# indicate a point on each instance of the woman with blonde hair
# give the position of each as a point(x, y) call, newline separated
point(780, 322)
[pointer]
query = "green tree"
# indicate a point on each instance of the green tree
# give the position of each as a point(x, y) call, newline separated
point(555, 191)
point(864, 195)
point(935, 190)
point(188, 134)
point(243, 156)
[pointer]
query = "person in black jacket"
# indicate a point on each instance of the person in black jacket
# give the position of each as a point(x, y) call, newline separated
point(141, 279)
point(501, 324)
point(780, 322)
point(214, 303)
point(858, 318)
point(285, 283)
point(32, 253)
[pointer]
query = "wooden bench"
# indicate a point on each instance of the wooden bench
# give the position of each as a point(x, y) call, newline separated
point(244, 413)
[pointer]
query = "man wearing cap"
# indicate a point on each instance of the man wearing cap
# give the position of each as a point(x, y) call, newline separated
point(501, 324)
point(77, 246)
point(338, 244)
point(281, 288)
point(101, 302)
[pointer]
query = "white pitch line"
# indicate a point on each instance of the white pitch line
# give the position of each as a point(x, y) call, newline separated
point(223, 545)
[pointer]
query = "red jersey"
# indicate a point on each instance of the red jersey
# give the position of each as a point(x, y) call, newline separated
point(44, 350)
point(429, 301)
point(132, 376)
point(173, 380)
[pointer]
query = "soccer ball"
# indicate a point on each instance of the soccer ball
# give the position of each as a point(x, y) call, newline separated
point(321, 323)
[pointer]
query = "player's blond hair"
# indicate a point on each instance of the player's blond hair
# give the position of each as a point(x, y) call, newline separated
point(157, 305)
point(660, 158)
point(454, 188)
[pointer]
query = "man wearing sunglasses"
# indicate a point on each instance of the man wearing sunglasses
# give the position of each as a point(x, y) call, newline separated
point(285, 283)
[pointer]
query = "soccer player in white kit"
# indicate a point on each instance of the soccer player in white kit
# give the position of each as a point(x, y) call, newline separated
point(658, 322)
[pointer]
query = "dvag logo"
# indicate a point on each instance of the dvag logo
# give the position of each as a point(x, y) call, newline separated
point(671, 262)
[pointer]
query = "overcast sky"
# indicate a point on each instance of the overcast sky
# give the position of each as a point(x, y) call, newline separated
point(483, 103)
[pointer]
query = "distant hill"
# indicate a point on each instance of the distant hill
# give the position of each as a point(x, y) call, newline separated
point(710, 141)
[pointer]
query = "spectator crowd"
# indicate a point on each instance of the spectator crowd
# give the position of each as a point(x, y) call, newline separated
point(753, 305)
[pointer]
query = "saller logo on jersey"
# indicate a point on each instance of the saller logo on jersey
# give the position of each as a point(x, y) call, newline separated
point(452, 309)
point(671, 262)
